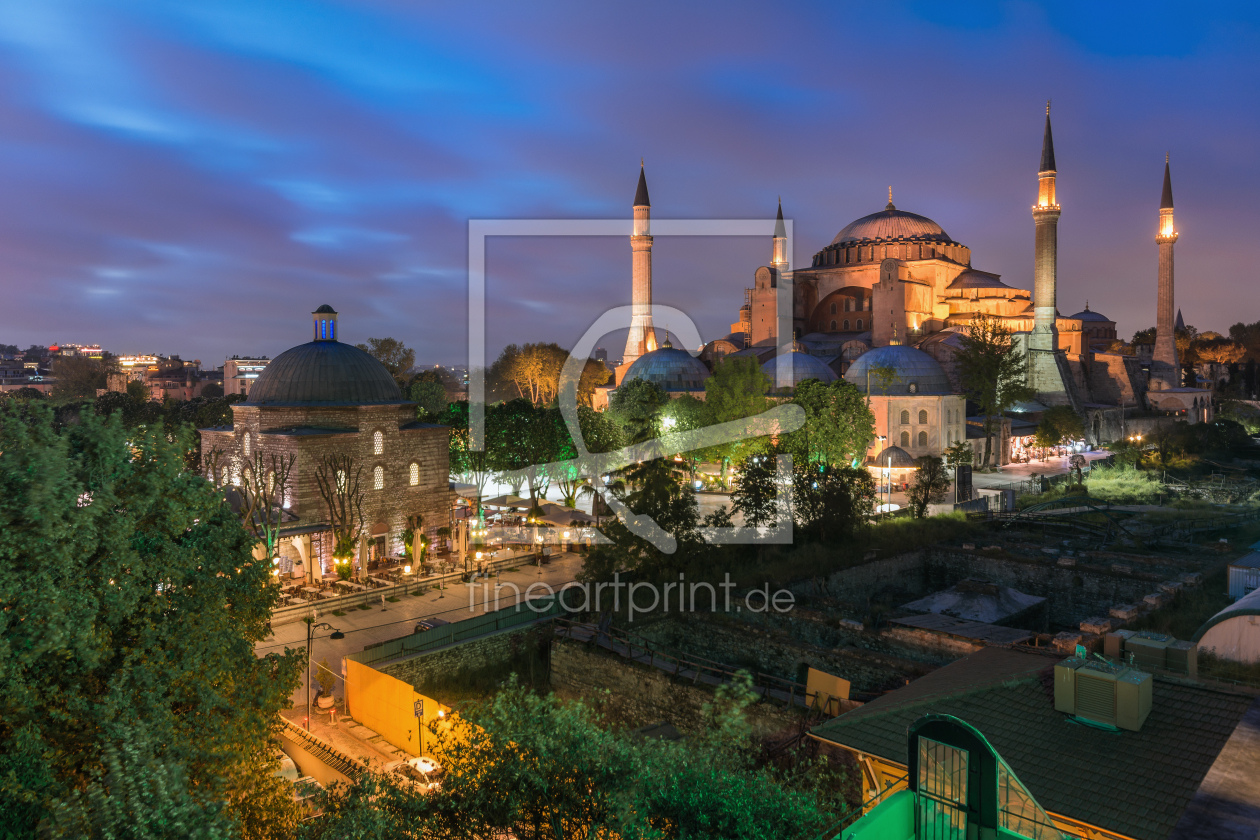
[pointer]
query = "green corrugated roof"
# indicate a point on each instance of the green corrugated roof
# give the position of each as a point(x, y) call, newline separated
point(1133, 783)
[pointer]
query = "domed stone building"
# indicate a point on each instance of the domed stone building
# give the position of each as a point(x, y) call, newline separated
point(916, 408)
point(669, 367)
point(326, 398)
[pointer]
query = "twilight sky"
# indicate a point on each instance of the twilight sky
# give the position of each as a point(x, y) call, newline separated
point(196, 177)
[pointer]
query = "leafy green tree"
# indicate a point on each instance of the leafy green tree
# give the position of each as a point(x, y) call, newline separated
point(736, 390)
point(993, 371)
point(139, 392)
point(397, 357)
point(960, 453)
point(931, 485)
point(1059, 424)
point(838, 426)
point(830, 502)
point(473, 465)
point(130, 595)
point(636, 404)
point(429, 397)
point(755, 496)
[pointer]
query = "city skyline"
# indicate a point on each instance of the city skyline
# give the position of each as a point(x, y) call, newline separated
point(235, 168)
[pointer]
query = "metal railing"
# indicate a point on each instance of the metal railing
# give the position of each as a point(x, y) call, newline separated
point(317, 747)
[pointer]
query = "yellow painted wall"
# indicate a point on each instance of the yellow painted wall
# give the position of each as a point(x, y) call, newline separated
point(387, 706)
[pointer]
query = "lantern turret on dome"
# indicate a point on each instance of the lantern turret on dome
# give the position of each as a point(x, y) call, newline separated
point(325, 323)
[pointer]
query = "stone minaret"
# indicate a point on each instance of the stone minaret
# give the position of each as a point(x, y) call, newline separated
point(779, 259)
point(642, 338)
point(1164, 363)
point(1045, 267)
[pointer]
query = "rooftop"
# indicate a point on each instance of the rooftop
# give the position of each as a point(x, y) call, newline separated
point(1135, 783)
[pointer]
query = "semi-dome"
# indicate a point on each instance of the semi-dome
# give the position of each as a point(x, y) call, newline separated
point(975, 279)
point(325, 372)
point(915, 372)
point(670, 368)
point(894, 457)
point(891, 223)
point(804, 366)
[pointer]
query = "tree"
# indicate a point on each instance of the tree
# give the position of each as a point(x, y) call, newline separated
point(931, 484)
point(429, 397)
point(594, 374)
point(756, 493)
point(264, 484)
point(139, 392)
point(473, 465)
point(78, 378)
point(212, 391)
point(130, 574)
point(960, 453)
point(636, 404)
point(531, 372)
point(397, 357)
point(832, 502)
point(1059, 424)
point(993, 372)
point(736, 390)
point(838, 426)
point(338, 478)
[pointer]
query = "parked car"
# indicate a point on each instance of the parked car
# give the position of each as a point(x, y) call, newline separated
point(429, 624)
point(423, 772)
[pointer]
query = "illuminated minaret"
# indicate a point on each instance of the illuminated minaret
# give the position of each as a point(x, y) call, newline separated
point(642, 338)
point(1164, 363)
point(1045, 265)
point(779, 259)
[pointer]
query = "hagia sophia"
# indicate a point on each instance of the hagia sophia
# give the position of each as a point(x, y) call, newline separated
point(893, 288)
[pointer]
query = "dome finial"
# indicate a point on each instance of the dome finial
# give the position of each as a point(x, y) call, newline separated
point(890, 204)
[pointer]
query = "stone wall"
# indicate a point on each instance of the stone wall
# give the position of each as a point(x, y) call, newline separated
point(633, 695)
point(425, 670)
point(1087, 588)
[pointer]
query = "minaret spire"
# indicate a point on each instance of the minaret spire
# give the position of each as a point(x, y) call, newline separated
point(1045, 212)
point(642, 337)
point(1165, 365)
point(778, 256)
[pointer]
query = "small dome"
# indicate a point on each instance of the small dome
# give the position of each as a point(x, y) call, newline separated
point(804, 366)
point(325, 373)
point(669, 367)
point(891, 223)
point(324, 309)
point(916, 372)
point(974, 279)
point(900, 458)
point(1086, 315)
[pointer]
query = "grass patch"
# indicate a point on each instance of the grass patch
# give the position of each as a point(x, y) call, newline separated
point(364, 607)
point(1213, 667)
point(527, 659)
point(339, 613)
point(420, 590)
point(392, 599)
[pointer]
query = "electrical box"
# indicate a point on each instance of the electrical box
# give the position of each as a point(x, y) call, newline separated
point(1149, 649)
point(1183, 658)
point(1113, 643)
point(1065, 685)
point(1133, 698)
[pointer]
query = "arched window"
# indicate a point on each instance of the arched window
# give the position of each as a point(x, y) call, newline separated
point(341, 481)
point(848, 304)
point(905, 439)
point(247, 444)
point(905, 417)
point(378, 478)
point(415, 474)
point(859, 323)
point(236, 475)
point(922, 438)
point(833, 309)
point(846, 323)
point(833, 322)
point(922, 415)
point(378, 443)
point(271, 483)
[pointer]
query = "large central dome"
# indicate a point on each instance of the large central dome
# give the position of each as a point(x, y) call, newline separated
point(890, 224)
point(325, 372)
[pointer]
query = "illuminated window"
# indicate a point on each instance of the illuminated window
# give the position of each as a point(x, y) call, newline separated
point(323, 328)
point(905, 439)
point(415, 474)
point(922, 438)
point(923, 416)
point(378, 443)
point(332, 329)
point(378, 478)
point(247, 444)
point(905, 418)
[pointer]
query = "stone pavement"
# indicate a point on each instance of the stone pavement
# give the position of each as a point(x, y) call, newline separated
point(1013, 473)
point(366, 627)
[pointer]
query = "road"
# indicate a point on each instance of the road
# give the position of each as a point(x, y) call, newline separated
point(365, 627)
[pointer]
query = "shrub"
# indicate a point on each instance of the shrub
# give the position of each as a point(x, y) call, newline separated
point(343, 570)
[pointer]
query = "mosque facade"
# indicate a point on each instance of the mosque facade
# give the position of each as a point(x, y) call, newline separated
point(897, 279)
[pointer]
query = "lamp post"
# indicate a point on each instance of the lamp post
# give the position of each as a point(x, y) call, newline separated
point(311, 627)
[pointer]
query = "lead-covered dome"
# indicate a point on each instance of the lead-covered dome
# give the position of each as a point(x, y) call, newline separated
point(325, 372)
point(804, 366)
point(914, 372)
point(670, 368)
point(890, 224)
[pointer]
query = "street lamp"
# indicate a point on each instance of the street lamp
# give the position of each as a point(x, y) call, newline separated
point(311, 627)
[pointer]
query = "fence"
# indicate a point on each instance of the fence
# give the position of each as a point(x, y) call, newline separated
point(537, 609)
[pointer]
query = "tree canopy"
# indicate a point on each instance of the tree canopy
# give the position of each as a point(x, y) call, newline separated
point(132, 603)
point(993, 372)
point(397, 357)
